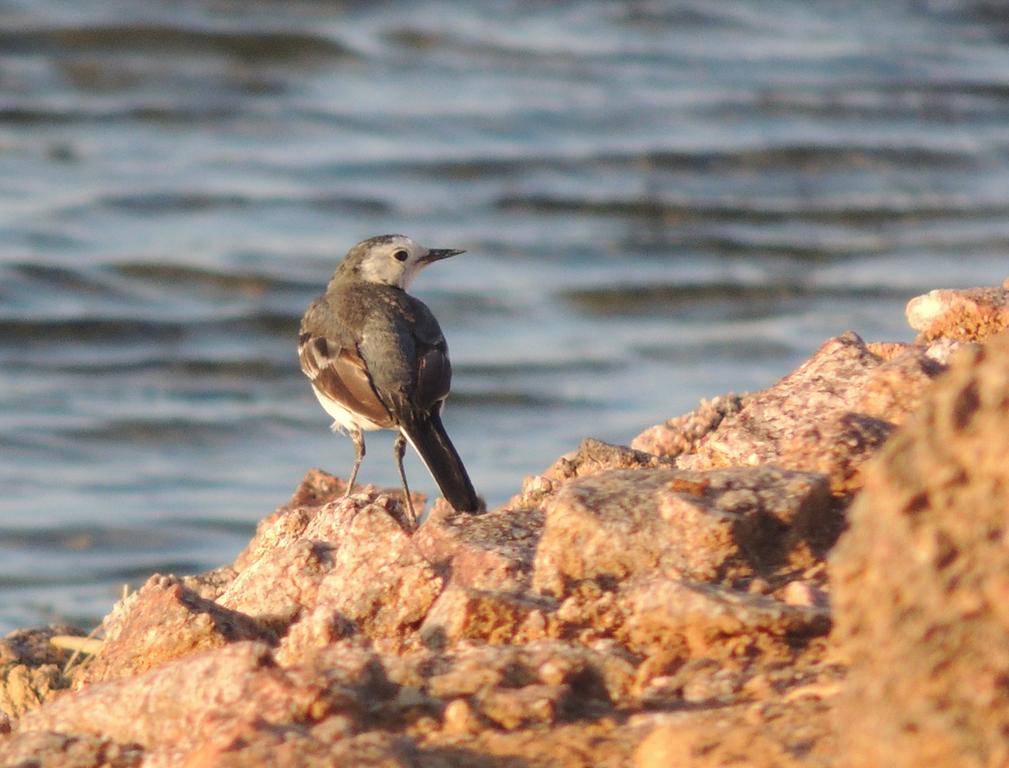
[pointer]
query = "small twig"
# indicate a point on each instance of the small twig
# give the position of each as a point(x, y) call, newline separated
point(81, 645)
point(76, 643)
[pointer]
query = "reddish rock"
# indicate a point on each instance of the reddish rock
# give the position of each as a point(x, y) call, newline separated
point(161, 622)
point(210, 585)
point(379, 584)
point(493, 551)
point(666, 605)
point(709, 621)
point(921, 581)
point(512, 708)
point(289, 525)
point(275, 587)
point(701, 526)
point(592, 457)
point(57, 750)
point(969, 314)
point(305, 556)
point(286, 524)
point(316, 629)
point(830, 415)
point(820, 390)
point(682, 434)
point(837, 448)
point(497, 680)
point(297, 747)
point(894, 389)
point(317, 511)
point(464, 613)
point(182, 704)
point(719, 742)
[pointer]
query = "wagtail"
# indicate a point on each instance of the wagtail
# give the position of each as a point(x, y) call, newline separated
point(377, 359)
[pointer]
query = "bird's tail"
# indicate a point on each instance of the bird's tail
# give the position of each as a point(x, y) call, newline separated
point(428, 437)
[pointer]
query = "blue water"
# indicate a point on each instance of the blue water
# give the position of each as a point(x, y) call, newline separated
point(660, 202)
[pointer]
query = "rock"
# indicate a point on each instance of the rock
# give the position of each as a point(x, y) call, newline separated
point(24, 688)
point(459, 718)
point(285, 524)
point(290, 524)
point(32, 647)
point(317, 511)
point(700, 526)
point(315, 489)
point(682, 434)
point(353, 677)
point(492, 551)
point(830, 415)
point(57, 750)
point(894, 389)
point(210, 585)
point(575, 680)
point(592, 457)
point(819, 391)
point(836, 448)
point(709, 621)
point(801, 593)
point(379, 584)
point(705, 681)
point(464, 613)
point(665, 603)
point(278, 585)
point(684, 744)
point(184, 703)
point(970, 314)
point(293, 747)
point(31, 669)
point(921, 581)
point(664, 747)
point(161, 622)
point(512, 708)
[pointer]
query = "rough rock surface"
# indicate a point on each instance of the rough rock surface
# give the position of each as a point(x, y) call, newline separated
point(665, 604)
point(161, 622)
point(702, 526)
point(379, 583)
point(681, 434)
point(31, 670)
point(830, 415)
point(973, 314)
point(929, 542)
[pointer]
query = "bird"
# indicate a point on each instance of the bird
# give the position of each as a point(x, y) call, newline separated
point(377, 359)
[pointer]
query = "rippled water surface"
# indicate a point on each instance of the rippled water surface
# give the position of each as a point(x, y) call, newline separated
point(661, 202)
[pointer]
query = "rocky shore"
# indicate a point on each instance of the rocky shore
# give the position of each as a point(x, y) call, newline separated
point(812, 575)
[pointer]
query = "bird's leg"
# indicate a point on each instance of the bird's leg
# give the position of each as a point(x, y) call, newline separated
point(398, 449)
point(358, 438)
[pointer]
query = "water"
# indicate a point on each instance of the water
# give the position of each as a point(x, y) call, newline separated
point(661, 202)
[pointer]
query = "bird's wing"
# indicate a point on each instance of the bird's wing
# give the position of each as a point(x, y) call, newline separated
point(433, 371)
point(338, 373)
point(434, 374)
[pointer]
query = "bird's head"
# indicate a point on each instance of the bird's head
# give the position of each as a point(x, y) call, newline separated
point(389, 259)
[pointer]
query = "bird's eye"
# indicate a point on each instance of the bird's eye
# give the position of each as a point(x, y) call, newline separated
point(401, 255)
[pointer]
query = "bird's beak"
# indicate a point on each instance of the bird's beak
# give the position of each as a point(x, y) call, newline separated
point(437, 254)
